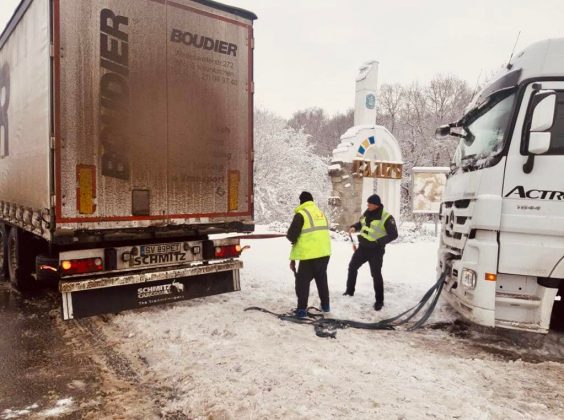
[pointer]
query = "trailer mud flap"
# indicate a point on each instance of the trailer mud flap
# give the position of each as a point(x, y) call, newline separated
point(101, 300)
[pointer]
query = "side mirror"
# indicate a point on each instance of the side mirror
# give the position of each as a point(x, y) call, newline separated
point(442, 131)
point(542, 118)
point(539, 143)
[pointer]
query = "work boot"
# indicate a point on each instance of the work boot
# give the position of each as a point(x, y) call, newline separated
point(300, 313)
point(348, 293)
point(378, 306)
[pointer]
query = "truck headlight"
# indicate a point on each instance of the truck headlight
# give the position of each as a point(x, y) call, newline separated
point(469, 278)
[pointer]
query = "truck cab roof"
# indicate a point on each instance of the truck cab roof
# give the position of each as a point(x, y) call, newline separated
point(541, 60)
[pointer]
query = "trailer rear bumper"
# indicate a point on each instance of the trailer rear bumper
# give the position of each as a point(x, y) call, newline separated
point(96, 296)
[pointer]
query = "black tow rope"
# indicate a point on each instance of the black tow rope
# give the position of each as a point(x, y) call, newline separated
point(327, 327)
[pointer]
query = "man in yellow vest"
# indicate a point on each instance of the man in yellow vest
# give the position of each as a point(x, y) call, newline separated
point(311, 246)
point(377, 227)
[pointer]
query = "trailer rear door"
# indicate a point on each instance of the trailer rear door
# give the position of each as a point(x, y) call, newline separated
point(154, 121)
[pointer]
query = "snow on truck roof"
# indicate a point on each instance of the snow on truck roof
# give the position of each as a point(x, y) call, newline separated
point(543, 59)
point(24, 5)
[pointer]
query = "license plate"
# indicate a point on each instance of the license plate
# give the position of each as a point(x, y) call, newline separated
point(159, 249)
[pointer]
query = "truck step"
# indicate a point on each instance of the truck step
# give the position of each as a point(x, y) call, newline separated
point(510, 299)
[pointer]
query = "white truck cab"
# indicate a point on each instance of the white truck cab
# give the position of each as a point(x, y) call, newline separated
point(502, 238)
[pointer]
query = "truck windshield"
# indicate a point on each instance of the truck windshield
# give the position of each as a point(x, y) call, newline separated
point(485, 132)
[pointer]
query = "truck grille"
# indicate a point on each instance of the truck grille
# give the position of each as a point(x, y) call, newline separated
point(455, 219)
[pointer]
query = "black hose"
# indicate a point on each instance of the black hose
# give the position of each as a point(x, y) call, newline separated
point(326, 327)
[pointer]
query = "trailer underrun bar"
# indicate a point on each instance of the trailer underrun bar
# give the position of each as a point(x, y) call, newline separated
point(82, 298)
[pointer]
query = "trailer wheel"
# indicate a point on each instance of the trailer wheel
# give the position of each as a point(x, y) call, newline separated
point(3, 253)
point(19, 272)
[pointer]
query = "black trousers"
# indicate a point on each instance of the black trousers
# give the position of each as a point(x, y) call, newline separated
point(375, 257)
point(308, 270)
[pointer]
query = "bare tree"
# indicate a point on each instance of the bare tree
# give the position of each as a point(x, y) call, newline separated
point(411, 113)
point(324, 132)
point(391, 99)
point(285, 165)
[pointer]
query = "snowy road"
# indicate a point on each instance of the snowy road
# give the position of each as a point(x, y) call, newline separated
point(207, 358)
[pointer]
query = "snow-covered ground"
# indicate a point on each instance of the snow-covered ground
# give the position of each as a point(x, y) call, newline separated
point(208, 358)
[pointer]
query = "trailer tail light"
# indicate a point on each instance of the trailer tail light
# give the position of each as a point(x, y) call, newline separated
point(227, 251)
point(81, 266)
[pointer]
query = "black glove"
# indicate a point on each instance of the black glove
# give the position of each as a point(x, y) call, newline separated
point(293, 266)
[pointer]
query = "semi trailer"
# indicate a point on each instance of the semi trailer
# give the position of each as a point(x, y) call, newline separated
point(126, 140)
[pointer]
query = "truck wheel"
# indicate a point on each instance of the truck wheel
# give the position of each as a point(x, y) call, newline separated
point(19, 272)
point(3, 257)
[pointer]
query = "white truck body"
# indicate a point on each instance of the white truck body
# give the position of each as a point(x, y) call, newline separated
point(502, 238)
point(126, 120)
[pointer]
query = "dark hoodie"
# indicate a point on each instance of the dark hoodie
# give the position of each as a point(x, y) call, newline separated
point(390, 226)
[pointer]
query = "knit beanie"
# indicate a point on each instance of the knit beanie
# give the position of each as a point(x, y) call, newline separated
point(374, 199)
point(305, 196)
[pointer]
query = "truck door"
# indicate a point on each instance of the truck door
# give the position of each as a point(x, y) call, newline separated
point(532, 222)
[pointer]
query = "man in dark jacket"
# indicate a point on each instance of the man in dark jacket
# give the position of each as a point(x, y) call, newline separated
point(311, 246)
point(377, 227)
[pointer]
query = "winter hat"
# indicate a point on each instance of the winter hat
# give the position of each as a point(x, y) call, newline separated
point(374, 199)
point(305, 196)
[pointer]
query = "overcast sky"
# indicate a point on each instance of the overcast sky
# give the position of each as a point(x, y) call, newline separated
point(307, 52)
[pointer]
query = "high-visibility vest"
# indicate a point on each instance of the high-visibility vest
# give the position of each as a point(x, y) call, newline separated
point(376, 229)
point(314, 240)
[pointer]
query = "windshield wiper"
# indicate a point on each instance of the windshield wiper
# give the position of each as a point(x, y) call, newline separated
point(468, 161)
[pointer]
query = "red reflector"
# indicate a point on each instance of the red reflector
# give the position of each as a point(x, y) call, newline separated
point(227, 251)
point(84, 265)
